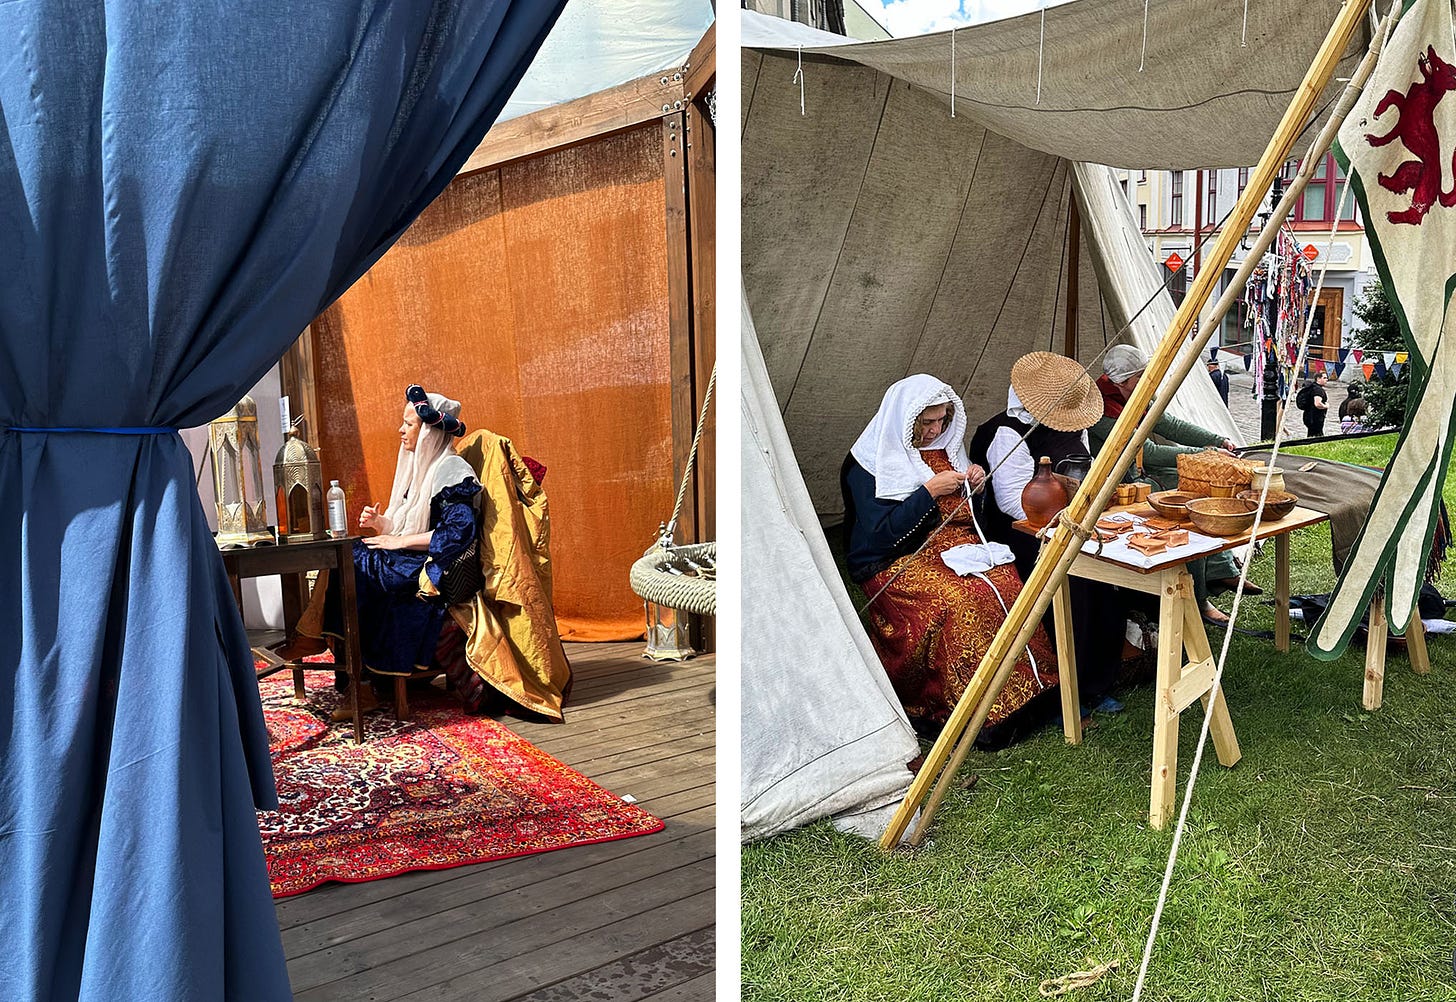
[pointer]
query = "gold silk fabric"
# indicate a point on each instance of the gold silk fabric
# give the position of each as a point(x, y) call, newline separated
point(510, 627)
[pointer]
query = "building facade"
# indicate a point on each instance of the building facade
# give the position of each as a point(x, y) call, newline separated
point(1177, 210)
point(843, 17)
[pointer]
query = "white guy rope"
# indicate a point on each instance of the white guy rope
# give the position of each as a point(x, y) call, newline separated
point(1040, 48)
point(799, 79)
point(1244, 34)
point(1142, 61)
point(952, 72)
point(1233, 616)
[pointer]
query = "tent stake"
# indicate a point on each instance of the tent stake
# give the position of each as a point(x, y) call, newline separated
point(1108, 467)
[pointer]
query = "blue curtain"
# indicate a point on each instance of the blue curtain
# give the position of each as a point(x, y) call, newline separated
point(183, 186)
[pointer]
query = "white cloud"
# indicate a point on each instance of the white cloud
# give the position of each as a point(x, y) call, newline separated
point(919, 17)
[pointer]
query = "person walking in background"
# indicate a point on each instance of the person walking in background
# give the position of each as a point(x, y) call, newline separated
point(1314, 402)
point(1219, 377)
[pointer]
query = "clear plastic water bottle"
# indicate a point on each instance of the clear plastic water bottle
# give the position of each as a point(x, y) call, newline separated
point(338, 511)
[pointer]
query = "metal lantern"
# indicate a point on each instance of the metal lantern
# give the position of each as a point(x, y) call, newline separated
point(237, 477)
point(299, 491)
point(667, 633)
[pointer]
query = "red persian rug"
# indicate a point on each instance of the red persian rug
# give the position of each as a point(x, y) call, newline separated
point(444, 789)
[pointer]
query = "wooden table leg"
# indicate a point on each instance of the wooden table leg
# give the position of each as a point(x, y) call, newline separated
point(1067, 664)
point(295, 587)
point(1200, 651)
point(1415, 644)
point(1165, 716)
point(1281, 591)
point(1375, 642)
point(353, 659)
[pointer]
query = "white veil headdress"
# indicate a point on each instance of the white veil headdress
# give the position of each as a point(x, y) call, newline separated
point(886, 448)
point(415, 474)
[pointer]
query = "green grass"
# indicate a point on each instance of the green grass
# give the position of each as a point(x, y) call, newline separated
point(1321, 867)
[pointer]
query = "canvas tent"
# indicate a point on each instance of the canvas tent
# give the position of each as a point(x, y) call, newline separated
point(882, 237)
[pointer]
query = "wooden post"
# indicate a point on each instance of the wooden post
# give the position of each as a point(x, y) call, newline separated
point(1375, 641)
point(1067, 664)
point(1074, 256)
point(1281, 591)
point(1128, 434)
point(1415, 644)
point(1165, 714)
point(296, 373)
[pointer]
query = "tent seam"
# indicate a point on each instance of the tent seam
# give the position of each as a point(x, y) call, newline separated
point(1026, 248)
point(949, 253)
point(843, 240)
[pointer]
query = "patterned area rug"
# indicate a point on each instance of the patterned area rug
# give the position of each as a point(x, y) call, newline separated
point(442, 790)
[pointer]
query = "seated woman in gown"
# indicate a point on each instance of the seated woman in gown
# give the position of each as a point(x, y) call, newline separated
point(1049, 405)
point(431, 519)
point(906, 503)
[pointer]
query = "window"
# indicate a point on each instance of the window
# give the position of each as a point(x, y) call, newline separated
point(1210, 209)
point(1143, 217)
point(1142, 176)
point(1123, 182)
point(1323, 190)
point(1312, 206)
point(1175, 215)
point(1243, 179)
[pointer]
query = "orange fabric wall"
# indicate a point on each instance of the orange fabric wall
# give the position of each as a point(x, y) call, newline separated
point(536, 294)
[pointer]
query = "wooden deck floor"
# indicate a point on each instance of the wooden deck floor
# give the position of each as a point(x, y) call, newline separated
point(623, 920)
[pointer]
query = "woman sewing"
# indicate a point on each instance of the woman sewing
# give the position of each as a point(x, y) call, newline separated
point(907, 487)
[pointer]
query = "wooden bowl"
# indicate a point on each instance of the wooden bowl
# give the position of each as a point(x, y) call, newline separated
point(1221, 516)
point(1278, 504)
point(1171, 504)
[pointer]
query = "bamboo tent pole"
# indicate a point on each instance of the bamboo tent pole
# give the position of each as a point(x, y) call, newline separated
point(1110, 463)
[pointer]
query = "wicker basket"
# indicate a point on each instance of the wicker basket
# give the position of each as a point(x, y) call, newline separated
point(1199, 472)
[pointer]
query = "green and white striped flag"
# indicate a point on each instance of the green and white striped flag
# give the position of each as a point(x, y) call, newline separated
point(1399, 146)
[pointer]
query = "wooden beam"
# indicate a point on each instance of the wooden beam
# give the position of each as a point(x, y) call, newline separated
point(679, 311)
point(598, 114)
point(296, 373)
point(702, 65)
point(702, 235)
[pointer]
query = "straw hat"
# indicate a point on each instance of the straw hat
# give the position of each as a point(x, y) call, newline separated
point(1057, 391)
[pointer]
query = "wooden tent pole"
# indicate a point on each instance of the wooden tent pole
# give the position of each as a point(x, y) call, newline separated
point(1107, 468)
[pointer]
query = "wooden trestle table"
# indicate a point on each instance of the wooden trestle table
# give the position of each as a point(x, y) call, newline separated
point(1185, 658)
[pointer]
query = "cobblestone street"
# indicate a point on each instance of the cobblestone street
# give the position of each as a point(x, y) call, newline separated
point(1246, 408)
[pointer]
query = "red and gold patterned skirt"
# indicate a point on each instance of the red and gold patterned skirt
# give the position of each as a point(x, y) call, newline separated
point(931, 627)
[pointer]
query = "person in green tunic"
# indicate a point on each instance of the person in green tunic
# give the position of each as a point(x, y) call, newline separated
point(1123, 366)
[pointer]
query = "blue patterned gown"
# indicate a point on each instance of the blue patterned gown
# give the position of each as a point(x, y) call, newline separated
point(398, 629)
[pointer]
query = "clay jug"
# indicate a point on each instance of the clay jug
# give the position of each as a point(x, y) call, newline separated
point(1044, 496)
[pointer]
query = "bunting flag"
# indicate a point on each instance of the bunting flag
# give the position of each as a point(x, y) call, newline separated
point(1380, 370)
point(1248, 361)
point(1397, 369)
point(1389, 358)
point(1396, 145)
point(1340, 365)
point(1369, 369)
point(1359, 355)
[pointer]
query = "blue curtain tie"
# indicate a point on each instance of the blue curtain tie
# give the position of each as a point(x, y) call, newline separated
point(91, 431)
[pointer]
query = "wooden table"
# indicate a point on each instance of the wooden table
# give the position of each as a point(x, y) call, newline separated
point(1186, 662)
point(293, 560)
